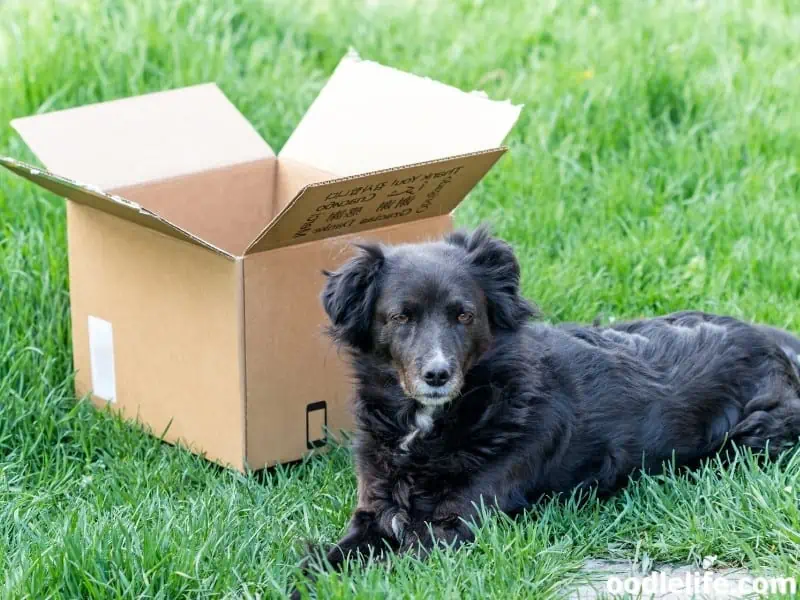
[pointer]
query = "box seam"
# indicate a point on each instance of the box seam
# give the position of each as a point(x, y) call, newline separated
point(221, 254)
point(241, 324)
point(13, 164)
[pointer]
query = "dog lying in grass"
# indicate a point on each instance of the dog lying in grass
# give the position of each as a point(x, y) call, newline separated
point(462, 400)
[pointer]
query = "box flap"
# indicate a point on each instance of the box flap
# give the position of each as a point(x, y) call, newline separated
point(379, 199)
point(109, 203)
point(144, 138)
point(369, 117)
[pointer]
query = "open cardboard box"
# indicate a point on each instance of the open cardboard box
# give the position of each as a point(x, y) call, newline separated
point(195, 253)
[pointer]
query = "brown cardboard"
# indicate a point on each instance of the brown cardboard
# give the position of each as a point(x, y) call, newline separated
point(393, 196)
point(292, 177)
point(174, 310)
point(369, 117)
point(195, 253)
point(145, 138)
point(226, 206)
point(109, 203)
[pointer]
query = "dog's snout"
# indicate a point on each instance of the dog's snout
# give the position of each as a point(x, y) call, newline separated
point(437, 376)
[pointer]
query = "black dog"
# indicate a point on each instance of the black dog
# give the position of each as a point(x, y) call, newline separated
point(460, 400)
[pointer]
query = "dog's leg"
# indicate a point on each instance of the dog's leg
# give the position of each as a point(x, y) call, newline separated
point(422, 537)
point(364, 540)
point(771, 421)
point(448, 525)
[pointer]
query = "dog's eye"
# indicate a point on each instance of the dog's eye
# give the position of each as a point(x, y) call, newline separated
point(400, 318)
point(465, 318)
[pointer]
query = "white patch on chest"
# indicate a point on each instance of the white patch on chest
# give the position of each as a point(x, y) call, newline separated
point(423, 423)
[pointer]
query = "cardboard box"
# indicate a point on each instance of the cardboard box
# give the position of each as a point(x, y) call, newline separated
point(195, 252)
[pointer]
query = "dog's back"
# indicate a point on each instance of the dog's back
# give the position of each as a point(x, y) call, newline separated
point(787, 342)
point(705, 378)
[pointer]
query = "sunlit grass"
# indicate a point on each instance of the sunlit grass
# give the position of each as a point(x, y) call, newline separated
point(656, 167)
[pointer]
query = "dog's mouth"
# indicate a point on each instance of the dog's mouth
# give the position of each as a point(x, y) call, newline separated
point(431, 400)
point(428, 395)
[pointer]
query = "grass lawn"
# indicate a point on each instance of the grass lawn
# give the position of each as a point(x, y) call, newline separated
point(656, 167)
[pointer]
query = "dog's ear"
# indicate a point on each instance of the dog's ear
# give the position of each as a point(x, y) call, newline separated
point(350, 295)
point(497, 270)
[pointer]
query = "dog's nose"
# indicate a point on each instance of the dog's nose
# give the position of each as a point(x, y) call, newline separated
point(436, 377)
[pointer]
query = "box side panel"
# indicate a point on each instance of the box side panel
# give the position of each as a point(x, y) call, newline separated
point(292, 177)
point(109, 203)
point(370, 117)
point(156, 333)
point(144, 138)
point(296, 378)
point(227, 207)
point(376, 200)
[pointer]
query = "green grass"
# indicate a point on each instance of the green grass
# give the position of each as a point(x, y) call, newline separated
point(656, 167)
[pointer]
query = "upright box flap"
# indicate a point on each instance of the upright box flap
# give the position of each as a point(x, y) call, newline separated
point(369, 117)
point(379, 199)
point(144, 138)
point(109, 203)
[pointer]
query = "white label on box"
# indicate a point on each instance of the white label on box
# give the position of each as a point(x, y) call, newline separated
point(101, 355)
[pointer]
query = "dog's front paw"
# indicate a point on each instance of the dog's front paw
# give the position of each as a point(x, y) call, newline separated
point(415, 536)
point(316, 556)
point(421, 537)
point(399, 525)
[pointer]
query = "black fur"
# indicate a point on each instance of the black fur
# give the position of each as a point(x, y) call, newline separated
point(539, 409)
point(349, 296)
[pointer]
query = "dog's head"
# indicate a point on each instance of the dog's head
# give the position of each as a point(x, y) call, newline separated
point(429, 311)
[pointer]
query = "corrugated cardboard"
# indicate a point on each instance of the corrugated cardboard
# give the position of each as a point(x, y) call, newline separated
point(145, 138)
point(393, 196)
point(196, 254)
point(175, 312)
